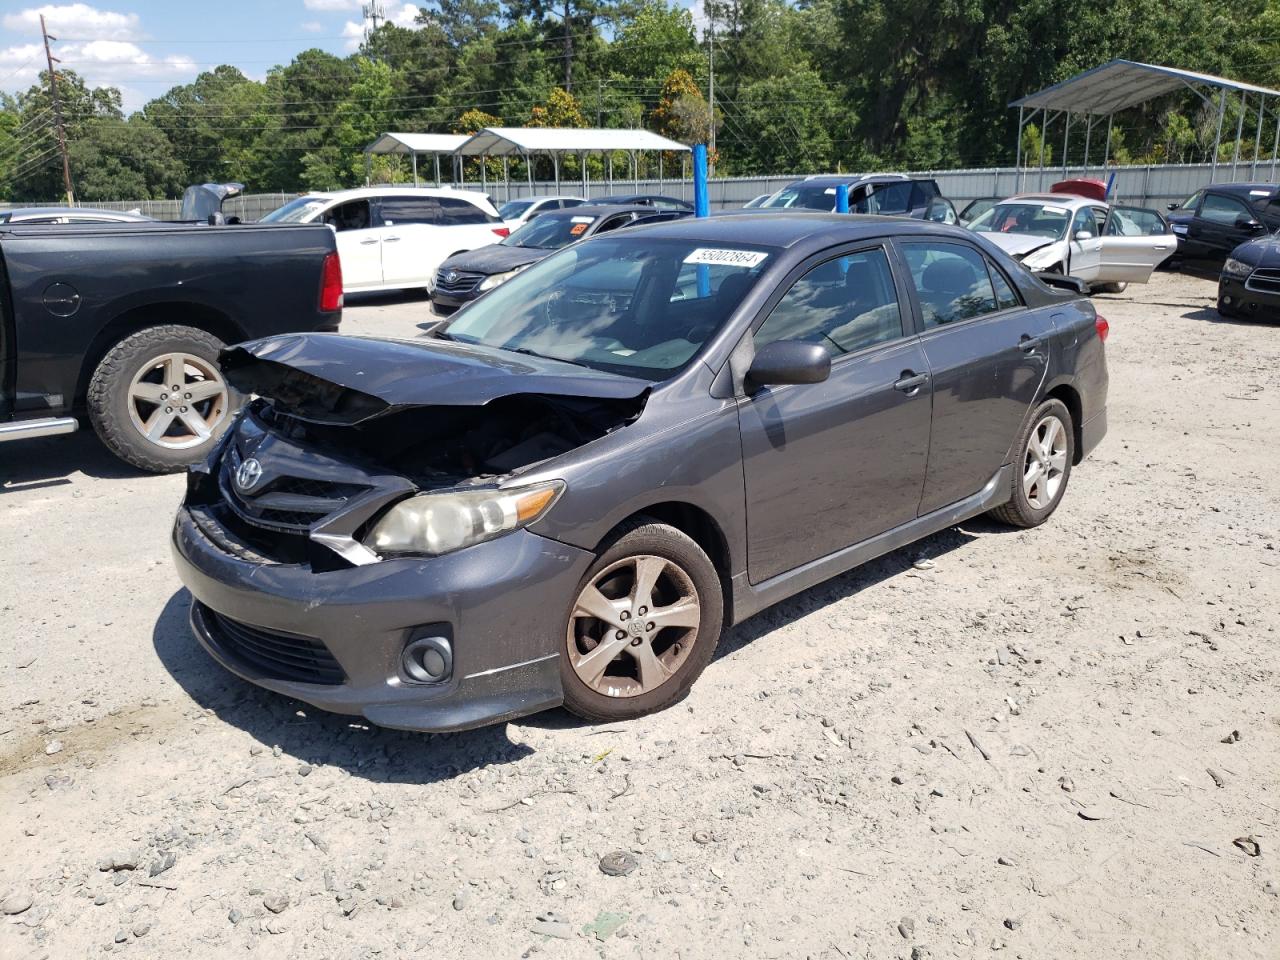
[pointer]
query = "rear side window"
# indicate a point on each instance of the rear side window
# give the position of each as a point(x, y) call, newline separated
point(845, 304)
point(891, 198)
point(922, 191)
point(1005, 297)
point(402, 210)
point(951, 281)
point(1219, 209)
point(455, 211)
point(572, 203)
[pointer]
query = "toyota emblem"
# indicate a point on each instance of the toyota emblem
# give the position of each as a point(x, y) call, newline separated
point(451, 276)
point(249, 474)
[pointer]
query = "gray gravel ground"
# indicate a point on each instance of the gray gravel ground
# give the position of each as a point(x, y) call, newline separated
point(1056, 743)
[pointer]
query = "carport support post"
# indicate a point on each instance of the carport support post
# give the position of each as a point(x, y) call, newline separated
point(506, 175)
point(1257, 137)
point(1066, 132)
point(1017, 153)
point(528, 168)
point(437, 169)
point(1106, 156)
point(368, 169)
point(555, 162)
point(1235, 156)
point(1088, 134)
point(413, 157)
point(1044, 132)
point(585, 189)
point(1217, 140)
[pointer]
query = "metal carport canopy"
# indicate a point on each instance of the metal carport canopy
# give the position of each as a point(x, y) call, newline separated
point(405, 143)
point(519, 141)
point(1121, 84)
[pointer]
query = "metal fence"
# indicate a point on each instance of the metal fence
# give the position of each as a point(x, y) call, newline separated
point(1143, 185)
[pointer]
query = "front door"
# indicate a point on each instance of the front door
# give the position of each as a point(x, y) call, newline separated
point(1223, 224)
point(1135, 241)
point(851, 450)
point(1084, 258)
point(359, 244)
point(987, 354)
point(411, 237)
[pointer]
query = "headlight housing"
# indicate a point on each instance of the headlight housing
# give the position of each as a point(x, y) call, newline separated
point(431, 524)
point(1237, 268)
point(497, 279)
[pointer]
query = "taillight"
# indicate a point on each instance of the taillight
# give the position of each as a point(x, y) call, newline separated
point(331, 284)
point(1103, 328)
point(502, 231)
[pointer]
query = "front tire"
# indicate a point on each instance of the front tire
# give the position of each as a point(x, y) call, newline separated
point(643, 625)
point(158, 400)
point(1117, 287)
point(1046, 448)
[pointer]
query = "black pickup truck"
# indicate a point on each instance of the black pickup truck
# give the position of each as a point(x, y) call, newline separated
point(123, 323)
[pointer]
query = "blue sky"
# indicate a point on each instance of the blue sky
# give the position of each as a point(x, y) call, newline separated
point(144, 47)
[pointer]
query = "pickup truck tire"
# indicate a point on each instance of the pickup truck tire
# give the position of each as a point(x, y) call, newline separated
point(157, 399)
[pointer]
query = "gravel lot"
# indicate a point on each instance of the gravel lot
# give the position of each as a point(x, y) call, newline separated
point(1057, 743)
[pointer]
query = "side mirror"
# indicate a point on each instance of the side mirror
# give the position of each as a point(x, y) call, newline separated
point(1063, 282)
point(1247, 223)
point(1083, 235)
point(789, 361)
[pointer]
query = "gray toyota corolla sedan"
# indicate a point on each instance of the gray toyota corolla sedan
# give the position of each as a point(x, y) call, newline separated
point(565, 493)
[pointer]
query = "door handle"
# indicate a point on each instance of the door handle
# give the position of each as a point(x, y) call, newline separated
point(911, 382)
point(365, 243)
point(1028, 344)
point(390, 239)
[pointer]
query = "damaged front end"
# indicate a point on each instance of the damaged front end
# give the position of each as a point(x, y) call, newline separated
point(319, 466)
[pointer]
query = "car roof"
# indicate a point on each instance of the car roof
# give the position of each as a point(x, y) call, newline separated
point(393, 190)
point(1245, 188)
point(834, 179)
point(616, 198)
point(68, 211)
point(598, 210)
point(786, 228)
point(1060, 199)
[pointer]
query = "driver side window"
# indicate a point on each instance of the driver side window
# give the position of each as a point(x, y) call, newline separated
point(845, 304)
point(352, 215)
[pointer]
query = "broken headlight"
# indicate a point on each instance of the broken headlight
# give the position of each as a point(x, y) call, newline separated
point(434, 523)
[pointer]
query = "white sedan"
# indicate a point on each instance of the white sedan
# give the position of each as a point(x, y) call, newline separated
point(1106, 246)
point(392, 238)
point(516, 213)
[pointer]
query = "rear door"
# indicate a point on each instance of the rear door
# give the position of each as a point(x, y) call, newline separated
point(411, 239)
point(1135, 241)
point(987, 354)
point(1221, 225)
point(359, 243)
point(854, 448)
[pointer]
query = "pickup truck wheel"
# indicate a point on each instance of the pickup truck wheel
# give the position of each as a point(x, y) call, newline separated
point(158, 399)
point(644, 624)
point(1041, 468)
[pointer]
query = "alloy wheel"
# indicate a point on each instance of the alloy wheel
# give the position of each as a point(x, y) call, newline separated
point(1045, 463)
point(633, 626)
point(177, 400)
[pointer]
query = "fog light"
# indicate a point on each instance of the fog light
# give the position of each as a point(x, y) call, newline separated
point(428, 660)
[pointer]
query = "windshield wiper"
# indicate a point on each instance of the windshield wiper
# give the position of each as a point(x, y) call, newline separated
point(542, 356)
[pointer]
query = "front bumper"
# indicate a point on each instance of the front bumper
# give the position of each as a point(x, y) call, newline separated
point(448, 303)
point(502, 604)
point(1243, 296)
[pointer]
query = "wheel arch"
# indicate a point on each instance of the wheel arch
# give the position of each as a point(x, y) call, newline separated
point(1070, 398)
point(176, 312)
point(695, 523)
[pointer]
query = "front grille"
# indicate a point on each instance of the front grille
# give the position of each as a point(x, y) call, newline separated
point(1264, 280)
point(461, 284)
point(283, 503)
point(278, 656)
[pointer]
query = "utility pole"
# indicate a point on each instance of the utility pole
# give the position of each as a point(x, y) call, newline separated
point(57, 112)
point(711, 88)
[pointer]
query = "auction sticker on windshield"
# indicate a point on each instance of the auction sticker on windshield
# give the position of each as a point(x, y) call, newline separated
point(1051, 209)
point(727, 258)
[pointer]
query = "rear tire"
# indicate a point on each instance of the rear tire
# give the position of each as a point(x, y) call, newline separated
point(1045, 449)
point(137, 413)
point(662, 610)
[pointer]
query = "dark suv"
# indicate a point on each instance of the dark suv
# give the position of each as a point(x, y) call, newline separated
point(1216, 219)
point(891, 194)
point(568, 490)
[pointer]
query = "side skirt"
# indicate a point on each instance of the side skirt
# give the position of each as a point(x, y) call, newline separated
point(750, 599)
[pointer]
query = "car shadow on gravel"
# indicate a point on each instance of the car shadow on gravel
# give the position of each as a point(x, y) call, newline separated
point(50, 461)
point(314, 736)
point(899, 563)
point(1210, 315)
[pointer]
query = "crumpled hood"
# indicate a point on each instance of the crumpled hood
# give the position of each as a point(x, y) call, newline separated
point(495, 258)
point(1018, 244)
point(329, 378)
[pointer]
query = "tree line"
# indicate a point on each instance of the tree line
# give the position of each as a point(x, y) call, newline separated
point(800, 87)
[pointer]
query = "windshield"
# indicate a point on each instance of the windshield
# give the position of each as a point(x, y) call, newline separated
point(1029, 219)
point(801, 196)
point(633, 305)
point(296, 211)
point(549, 232)
point(513, 209)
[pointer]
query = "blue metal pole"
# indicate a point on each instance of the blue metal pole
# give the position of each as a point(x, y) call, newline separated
point(1111, 182)
point(701, 203)
point(842, 198)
